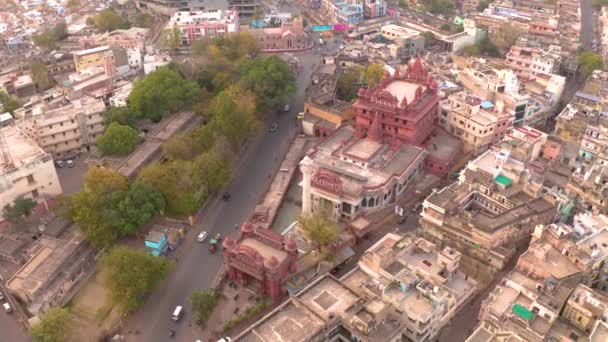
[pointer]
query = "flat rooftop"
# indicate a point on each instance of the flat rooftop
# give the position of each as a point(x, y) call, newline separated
point(401, 89)
point(21, 149)
point(361, 162)
point(93, 50)
point(51, 254)
point(266, 251)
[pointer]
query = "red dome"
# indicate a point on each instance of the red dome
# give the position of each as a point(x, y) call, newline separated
point(229, 242)
point(247, 227)
point(272, 262)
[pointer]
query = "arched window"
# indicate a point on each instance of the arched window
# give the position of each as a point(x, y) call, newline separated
point(372, 202)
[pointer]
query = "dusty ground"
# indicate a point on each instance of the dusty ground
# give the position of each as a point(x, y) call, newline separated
point(92, 311)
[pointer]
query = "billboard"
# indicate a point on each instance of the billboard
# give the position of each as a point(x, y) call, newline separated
point(322, 28)
point(341, 27)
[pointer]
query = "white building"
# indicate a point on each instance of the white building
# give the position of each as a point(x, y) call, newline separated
point(26, 170)
point(155, 61)
point(196, 25)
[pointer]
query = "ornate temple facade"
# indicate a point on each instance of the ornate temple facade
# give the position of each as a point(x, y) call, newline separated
point(406, 104)
point(260, 257)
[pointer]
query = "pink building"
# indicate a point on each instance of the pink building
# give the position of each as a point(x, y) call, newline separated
point(200, 24)
point(406, 104)
point(261, 257)
point(289, 37)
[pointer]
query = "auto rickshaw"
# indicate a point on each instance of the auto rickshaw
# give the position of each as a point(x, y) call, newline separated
point(214, 242)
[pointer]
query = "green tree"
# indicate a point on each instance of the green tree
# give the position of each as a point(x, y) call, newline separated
point(590, 61)
point(443, 7)
point(108, 20)
point(162, 91)
point(270, 79)
point(119, 115)
point(318, 229)
point(131, 274)
point(40, 75)
point(180, 146)
point(53, 326)
point(21, 207)
point(429, 38)
point(213, 170)
point(203, 303)
point(348, 84)
point(173, 38)
point(48, 39)
point(373, 74)
point(64, 207)
point(445, 27)
point(177, 182)
point(136, 207)
point(101, 180)
point(9, 103)
point(144, 20)
point(118, 140)
point(233, 115)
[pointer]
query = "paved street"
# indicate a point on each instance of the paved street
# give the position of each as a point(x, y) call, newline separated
point(10, 329)
point(587, 24)
point(196, 268)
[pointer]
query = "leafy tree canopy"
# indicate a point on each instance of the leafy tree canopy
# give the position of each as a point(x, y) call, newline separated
point(40, 75)
point(348, 84)
point(53, 326)
point(9, 103)
point(590, 61)
point(120, 115)
point(108, 20)
point(270, 79)
point(48, 39)
point(373, 74)
point(318, 229)
point(20, 208)
point(162, 91)
point(233, 115)
point(131, 274)
point(118, 140)
point(203, 303)
point(144, 20)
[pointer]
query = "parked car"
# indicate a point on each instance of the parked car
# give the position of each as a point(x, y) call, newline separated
point(273, 127)
point(1, 296)
point(59, 163)
point(70, 163)
point(7, 307)
point(286, 108)
point(202, 236)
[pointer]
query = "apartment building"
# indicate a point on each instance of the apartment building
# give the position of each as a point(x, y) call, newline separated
point(204, 24)
point(168, 7)
point(26, 170)
point(404, 288)
point(493, 206)
point(409, 42)
point(478, 123)
point(101, 56)
point(530, 61)
point(64, 128)
point(543, 298)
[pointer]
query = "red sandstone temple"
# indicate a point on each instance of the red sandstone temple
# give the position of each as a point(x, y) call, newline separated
point(405, 104)
point(260, 257)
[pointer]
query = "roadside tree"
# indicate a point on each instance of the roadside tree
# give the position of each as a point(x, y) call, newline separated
point(373, 74)
point(136, 207)
point(203, 303)
point(270, 79)
point(118, 140)
point(120, 115)
point(53, 326)
point(108, 20)
point(9, 103)
point(21, 207)
point(162, 91)
point(131, 274)
point(589, 62)
point(40, 76)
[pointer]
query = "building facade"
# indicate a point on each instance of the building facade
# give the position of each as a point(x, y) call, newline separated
point(406, 104)
point(27, 170)
point(290, 36)
point(346, 174)
point(204, 24)
point(261, 257)
point(101, 56)
point(64, 128)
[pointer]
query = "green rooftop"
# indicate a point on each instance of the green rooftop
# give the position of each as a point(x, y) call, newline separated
point(503, 180)
point(522, 312)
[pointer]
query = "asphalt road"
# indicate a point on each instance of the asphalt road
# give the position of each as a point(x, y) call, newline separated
point(587, 24)
point(196, 268)
point(10, 329)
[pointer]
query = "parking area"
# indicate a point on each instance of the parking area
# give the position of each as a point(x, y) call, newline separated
point(71, 177)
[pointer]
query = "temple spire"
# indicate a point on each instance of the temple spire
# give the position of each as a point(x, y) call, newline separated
point(374, 132)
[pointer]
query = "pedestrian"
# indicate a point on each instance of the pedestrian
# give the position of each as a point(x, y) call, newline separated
point(176, 260)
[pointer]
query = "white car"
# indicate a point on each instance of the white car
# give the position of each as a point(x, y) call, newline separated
point(7, 307)
point(202, 236)
point(1, 296)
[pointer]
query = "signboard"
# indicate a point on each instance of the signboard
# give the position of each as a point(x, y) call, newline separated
point(322, 28)
point(341, 27)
